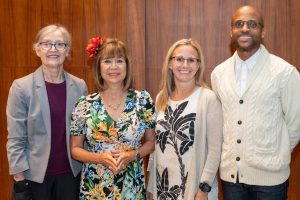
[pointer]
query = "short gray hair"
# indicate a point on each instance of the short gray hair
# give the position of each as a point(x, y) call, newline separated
point(50, 29)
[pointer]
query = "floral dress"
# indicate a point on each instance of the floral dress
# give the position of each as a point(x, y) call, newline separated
point(174, 143)
point(102, 133)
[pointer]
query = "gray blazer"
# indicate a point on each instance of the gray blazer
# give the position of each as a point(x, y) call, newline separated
point(28, 124)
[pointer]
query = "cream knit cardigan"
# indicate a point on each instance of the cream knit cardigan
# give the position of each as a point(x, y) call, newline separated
point(262, 126)
point(206, 150)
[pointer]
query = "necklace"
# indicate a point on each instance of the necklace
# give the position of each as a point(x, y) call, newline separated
point(114, 107)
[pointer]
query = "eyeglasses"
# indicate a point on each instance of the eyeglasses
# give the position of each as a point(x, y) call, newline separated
point(58, 46)
point(179, 60)
point(117, 61)
point(251, 24)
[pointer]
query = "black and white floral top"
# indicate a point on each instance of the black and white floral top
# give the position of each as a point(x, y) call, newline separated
point(174, 143)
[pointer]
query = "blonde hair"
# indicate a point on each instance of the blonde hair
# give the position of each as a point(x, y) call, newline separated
point(111, 48)
point(167, 85)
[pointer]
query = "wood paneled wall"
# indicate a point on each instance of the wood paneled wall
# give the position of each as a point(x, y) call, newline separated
point(148, 27)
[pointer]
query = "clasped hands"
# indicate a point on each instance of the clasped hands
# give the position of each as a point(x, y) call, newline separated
point(117, 160)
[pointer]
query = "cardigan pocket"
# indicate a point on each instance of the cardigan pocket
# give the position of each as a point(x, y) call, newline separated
point(266, 154)
point(271, 162)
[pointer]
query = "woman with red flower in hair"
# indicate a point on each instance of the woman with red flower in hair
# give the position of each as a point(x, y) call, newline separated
point(113, 122)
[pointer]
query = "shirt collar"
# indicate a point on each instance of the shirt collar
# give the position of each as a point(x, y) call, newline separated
point(250, 62)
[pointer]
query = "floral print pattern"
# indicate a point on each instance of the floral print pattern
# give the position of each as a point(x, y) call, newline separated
point(102, 133)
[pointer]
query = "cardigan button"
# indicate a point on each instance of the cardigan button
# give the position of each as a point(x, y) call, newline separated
point(239, 122)
point(241, 101)
point(239, 141)
point(232, 176)
point(237, 158)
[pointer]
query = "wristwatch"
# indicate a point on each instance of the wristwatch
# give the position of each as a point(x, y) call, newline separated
point(137, 155)
point(204, 187)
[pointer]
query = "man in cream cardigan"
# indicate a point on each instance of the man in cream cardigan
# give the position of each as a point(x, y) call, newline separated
point(260, 96)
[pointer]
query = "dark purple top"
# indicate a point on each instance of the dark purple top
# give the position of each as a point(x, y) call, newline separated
point(58, 161)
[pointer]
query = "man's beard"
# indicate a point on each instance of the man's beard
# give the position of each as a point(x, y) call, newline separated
point(253, 45)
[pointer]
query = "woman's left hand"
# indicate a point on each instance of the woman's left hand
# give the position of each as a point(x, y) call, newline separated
point(123, 158)
point(149, 196)
point(201, 195)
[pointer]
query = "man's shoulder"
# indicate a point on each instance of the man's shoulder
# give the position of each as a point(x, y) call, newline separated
point(225, 65)
point(279, 65)
point(275, 61)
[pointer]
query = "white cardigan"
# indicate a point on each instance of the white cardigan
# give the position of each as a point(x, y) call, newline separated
point(207, 147)
point(262, 126)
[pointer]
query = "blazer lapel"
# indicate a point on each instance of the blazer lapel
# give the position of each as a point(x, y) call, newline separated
point(43, 97)
point(69, 107)
point(71, 98)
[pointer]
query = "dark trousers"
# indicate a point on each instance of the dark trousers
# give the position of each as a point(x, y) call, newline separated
point(240, 191)
point(60, 187)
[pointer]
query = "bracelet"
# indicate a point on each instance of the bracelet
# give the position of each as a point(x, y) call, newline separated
point(137, 155)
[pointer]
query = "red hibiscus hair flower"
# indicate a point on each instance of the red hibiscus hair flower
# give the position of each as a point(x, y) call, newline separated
point(94, 45)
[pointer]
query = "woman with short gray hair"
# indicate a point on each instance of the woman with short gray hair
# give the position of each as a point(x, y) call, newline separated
point(38, 112)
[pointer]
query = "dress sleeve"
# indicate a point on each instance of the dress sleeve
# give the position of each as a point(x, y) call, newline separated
point(78, 119)
point(147, 109)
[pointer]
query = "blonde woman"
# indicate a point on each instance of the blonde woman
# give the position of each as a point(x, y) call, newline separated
point(188, 129)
